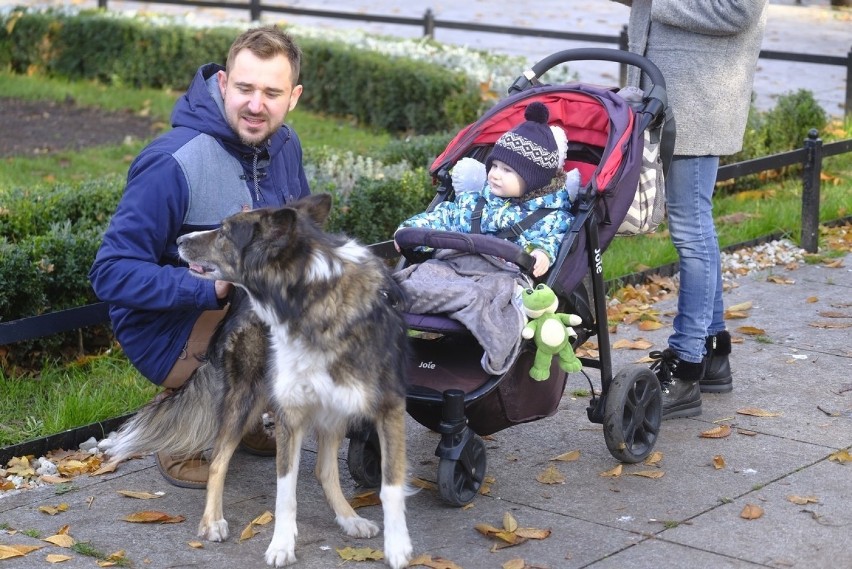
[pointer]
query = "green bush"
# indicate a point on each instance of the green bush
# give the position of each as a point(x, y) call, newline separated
point(375, 208)
point(28, 212)
point(784, 127)
point(419, 151)
point(390, 93)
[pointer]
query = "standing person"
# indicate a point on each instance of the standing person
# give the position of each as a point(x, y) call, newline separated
point(229, 151)
point(707, 53)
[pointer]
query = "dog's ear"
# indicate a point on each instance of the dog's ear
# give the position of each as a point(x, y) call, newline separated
point(282, 222)
point(316, 206)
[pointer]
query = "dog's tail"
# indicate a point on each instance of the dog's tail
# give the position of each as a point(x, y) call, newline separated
point(182, 422)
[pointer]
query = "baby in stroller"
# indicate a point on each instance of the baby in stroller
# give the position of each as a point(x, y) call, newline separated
point(525, 197)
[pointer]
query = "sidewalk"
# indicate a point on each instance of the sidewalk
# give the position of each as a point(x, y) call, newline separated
point(799, 369)
point(810, 28)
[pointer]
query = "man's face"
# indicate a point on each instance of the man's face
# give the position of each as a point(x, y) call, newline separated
point(258, 94)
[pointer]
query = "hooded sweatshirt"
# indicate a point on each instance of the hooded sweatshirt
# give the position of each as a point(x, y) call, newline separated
point(188, 179)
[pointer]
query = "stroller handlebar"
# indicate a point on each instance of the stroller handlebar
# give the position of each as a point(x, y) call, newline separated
point(411, 237)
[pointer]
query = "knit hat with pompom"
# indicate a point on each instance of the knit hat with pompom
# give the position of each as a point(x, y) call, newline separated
point(530, 149)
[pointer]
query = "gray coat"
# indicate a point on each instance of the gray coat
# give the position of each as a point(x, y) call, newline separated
point(707, 51)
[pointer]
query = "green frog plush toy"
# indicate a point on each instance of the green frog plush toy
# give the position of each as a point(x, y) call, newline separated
point(550, 330)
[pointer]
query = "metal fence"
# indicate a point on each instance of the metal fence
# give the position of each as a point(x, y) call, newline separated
point(429, 24)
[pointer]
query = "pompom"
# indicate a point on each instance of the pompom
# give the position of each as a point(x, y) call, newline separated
point(537, 112)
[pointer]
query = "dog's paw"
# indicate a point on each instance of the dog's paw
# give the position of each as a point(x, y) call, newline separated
point(398, 550)
point(279, 556)
point(356, 526)
point(215, 530)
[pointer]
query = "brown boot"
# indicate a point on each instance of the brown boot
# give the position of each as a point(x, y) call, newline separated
point(184, 471)
point(260, 440)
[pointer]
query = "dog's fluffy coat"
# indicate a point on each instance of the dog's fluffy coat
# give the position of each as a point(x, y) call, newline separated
point(321, 341)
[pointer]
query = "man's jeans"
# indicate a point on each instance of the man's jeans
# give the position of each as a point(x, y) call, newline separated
point(689, 193)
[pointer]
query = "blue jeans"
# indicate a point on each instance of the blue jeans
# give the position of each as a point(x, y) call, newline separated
point(689, 197)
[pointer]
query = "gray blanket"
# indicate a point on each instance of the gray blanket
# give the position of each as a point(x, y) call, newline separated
point(481, 292)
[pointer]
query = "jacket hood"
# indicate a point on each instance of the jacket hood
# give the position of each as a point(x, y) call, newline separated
point(201, 108)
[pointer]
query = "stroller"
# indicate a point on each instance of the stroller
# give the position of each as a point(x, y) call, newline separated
point(450, 393)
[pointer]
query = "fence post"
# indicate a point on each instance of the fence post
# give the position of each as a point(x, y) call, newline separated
point(810, 192)
point(429, 24)
point(623, 46)
point(254, 10)
point(848, 107)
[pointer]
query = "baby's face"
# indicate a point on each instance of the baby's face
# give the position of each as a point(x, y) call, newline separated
point(504, 181)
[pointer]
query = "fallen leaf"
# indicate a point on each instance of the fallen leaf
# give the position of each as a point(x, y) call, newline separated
point(551, 475)
point(654, 458)
point(509, 522)
point(196, 544)
point(140, 495)
point(833, 314)
point(649, 473)
point(485, 489)
point(625, 344)
point(746, 432)
point(51, 479)
point(260, 520)
point(647, 326)
point(755, 412)
point(365, 499)
point(719, 432)
point(360, 554)
point(60, 539)
point(533, 533)
point(424, 484)
point(718, 462)
point(751, 331)
point(153, 517)
point(751, 512)
point(8, 551)
point(248, 532)
point(514, 564)
point(432, 562)
point(830, 325)
point(613, 473)
point(840, 456)
point(57, 558)
point(741, 307)
point(778, 279)
point(53, 510)
point(568, 456)
point(812, 299)
point(105, 469)
point(802, 500)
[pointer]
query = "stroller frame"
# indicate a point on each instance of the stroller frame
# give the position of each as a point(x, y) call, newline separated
point(629, 405)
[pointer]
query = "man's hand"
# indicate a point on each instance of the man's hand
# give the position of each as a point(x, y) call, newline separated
point(223, 289)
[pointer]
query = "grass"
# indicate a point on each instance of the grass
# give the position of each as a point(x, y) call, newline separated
point(63, 397)
point(107, 386)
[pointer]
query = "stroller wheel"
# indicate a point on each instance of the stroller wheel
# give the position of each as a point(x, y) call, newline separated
point(633, 414)
point(365, 460)
point(459, 480)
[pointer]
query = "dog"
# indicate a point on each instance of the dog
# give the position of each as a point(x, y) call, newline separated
point(314, 331)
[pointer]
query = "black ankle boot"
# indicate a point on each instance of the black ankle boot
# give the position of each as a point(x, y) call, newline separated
point(717, 375)
point(679, 381)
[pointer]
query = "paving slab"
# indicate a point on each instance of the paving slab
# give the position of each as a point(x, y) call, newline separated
point(690, 517)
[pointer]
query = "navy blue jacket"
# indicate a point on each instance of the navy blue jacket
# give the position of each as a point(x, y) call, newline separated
point(188, 179)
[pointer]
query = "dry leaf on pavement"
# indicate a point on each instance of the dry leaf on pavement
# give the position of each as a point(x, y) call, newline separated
point(751, 512)
point(719, 432)
point(360, 554)
point(364, 499)
point(840, 456)
point(613, 473)
point(57, 558)
point(802, 500)
point(141, 495)
point(654, 458)
point(568, 456)
point(751, 331)
point(432, 562)
point(153, 517)
point(9, 551)
point(755, 412)
point(718, 462)
point(551, 475)
point(649, 473)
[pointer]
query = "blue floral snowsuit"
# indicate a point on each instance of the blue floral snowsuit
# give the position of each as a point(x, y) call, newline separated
point(500, 214)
